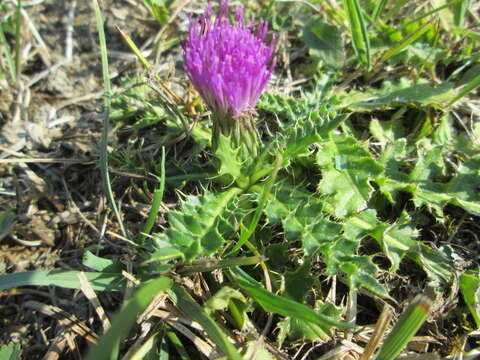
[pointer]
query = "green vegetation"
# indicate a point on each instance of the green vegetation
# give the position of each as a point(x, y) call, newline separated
point(364, 196)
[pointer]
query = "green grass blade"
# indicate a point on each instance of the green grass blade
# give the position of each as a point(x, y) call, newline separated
point(379, 7)
point(63, 278)
point(361, 43)
point(133, 47)
point(245, 232)
point(189, 306)
point(163, 346)
point(411, 38)
point(18, 38)
point(277, 304)
point(182, 352)
point(147, 350)
point(106, 119)
point(472, 85)
point(467, 33)
point(209, 265)
point(7, 53)
point(406, 327)
point(459, 11)
point(127, 316)
point(157, 201)
point(424, 15)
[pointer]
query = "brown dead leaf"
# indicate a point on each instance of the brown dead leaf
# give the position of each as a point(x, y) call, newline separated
point(36, 229)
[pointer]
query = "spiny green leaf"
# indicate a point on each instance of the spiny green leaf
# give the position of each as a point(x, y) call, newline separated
point(437, 263)
point(198, 227)
point(318, 233)
point(299, 137)
point(347, 169)
point(304, 330)
point(308, 120)
point(285, 107)
point(399, 240)
point(228, 157)
point(461, 190)
point(285, 199)
point(396, 240)
point(341, 257)
point(299, 283)
point(302, 217)
point(278, 255)
point(360, 270)
point(464, 188)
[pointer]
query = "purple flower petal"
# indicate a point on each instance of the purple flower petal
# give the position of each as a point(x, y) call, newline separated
point(229, 64)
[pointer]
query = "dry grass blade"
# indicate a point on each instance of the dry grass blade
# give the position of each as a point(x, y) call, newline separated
point(352, 347)
point(337, 353)
point(69, 321)
point(88, 291)
point(204, 347)
point(378, 333)
point(56, 349)
point(167, 316)
point(42, 47)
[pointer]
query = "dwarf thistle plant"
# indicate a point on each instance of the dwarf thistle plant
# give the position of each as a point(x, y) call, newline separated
point(230, 65)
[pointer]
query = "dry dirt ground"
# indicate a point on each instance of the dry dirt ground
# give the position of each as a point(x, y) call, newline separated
point(51, 123)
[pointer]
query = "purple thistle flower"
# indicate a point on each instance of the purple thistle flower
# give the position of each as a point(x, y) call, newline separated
point(229, 64)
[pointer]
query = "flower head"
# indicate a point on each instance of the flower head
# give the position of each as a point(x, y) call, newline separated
point(229, 64)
